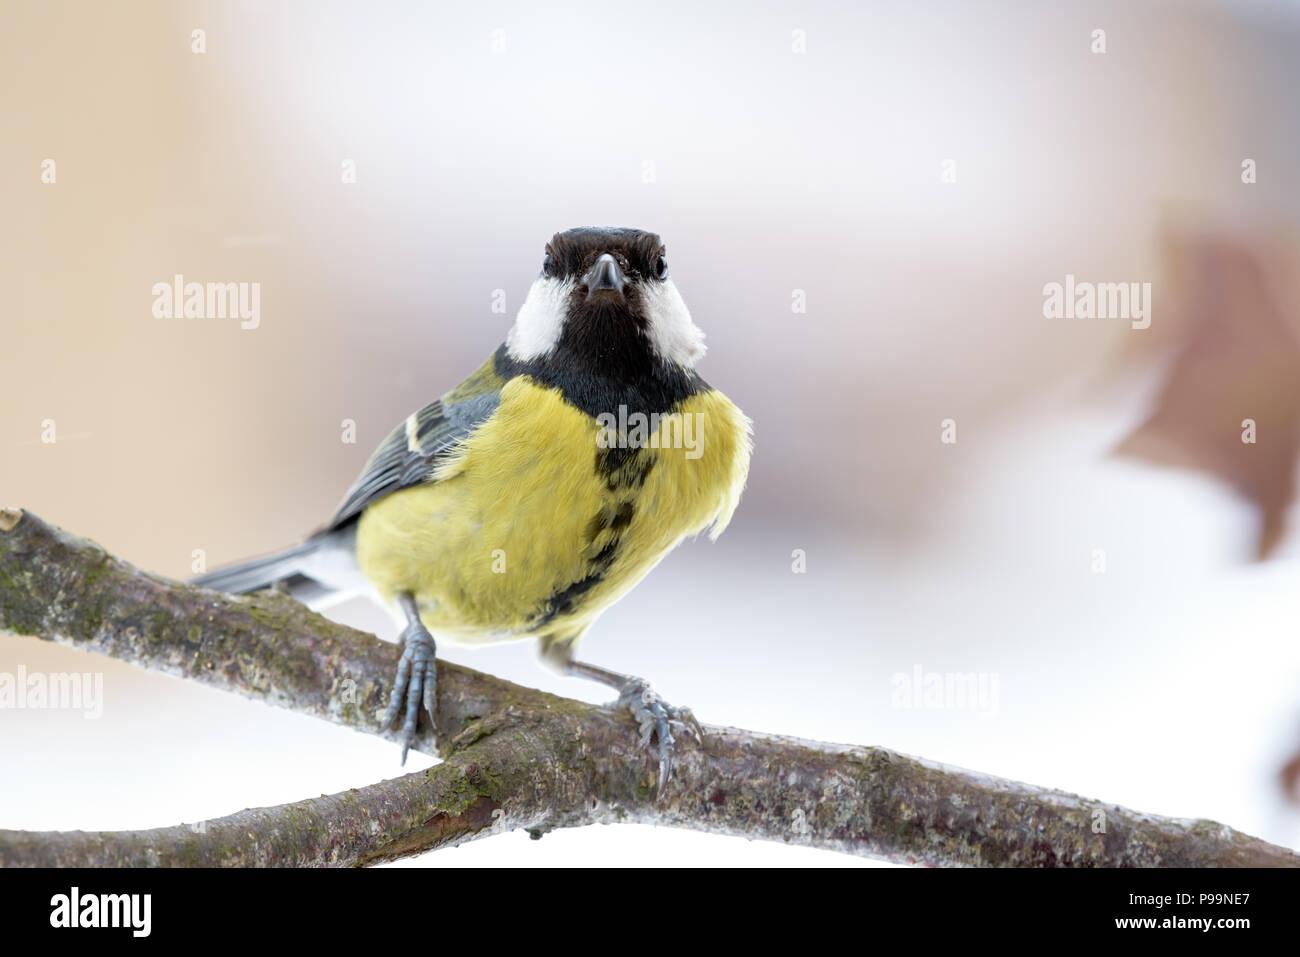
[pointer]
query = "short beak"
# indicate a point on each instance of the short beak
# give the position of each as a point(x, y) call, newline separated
point(605, 274)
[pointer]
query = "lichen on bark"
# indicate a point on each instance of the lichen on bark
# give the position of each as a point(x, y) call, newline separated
point(517, 758)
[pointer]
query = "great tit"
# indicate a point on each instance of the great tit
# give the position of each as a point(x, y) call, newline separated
point(536, 493)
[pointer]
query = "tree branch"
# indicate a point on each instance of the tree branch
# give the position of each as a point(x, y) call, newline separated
point(515, 757)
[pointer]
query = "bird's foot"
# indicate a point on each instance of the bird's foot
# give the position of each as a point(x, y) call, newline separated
point(415, 683)
point(656, 717)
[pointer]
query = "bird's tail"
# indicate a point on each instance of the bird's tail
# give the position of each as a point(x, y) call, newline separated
point(259, 572)
point(321, 572)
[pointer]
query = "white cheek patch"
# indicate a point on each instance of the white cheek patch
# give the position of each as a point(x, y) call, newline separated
point(674, 337)
point(540, 320)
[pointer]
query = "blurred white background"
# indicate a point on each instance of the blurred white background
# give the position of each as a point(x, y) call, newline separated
point(1170, 683)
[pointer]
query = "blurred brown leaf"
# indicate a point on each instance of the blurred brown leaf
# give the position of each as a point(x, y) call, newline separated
point(1237, 358)
point(1289, 778)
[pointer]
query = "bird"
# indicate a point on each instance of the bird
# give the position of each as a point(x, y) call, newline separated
point(537, 492)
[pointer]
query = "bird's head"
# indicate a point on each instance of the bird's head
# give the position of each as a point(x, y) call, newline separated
point(604, 298)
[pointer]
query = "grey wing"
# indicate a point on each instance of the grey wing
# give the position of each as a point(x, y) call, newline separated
point(410, 453)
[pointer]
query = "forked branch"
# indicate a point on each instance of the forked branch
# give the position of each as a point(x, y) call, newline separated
point(519, 758)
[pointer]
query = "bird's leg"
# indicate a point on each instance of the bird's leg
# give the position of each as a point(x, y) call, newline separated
point(416, 681)
point(653, 714)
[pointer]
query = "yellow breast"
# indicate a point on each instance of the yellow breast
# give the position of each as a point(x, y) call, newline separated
point(541, 520)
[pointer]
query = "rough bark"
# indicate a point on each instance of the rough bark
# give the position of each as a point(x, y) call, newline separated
point(519, 758)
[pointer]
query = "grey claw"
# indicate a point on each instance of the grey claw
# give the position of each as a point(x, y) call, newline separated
point(692, 723)
point(415, 684)
point(655, 716)
point(400, 681)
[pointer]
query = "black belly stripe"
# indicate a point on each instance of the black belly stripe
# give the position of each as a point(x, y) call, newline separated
point(562, 602)
point(618, 383)
point(625, 472)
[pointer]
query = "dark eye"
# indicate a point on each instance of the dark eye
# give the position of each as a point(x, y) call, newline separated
point(661, 267)
point(548, 266)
